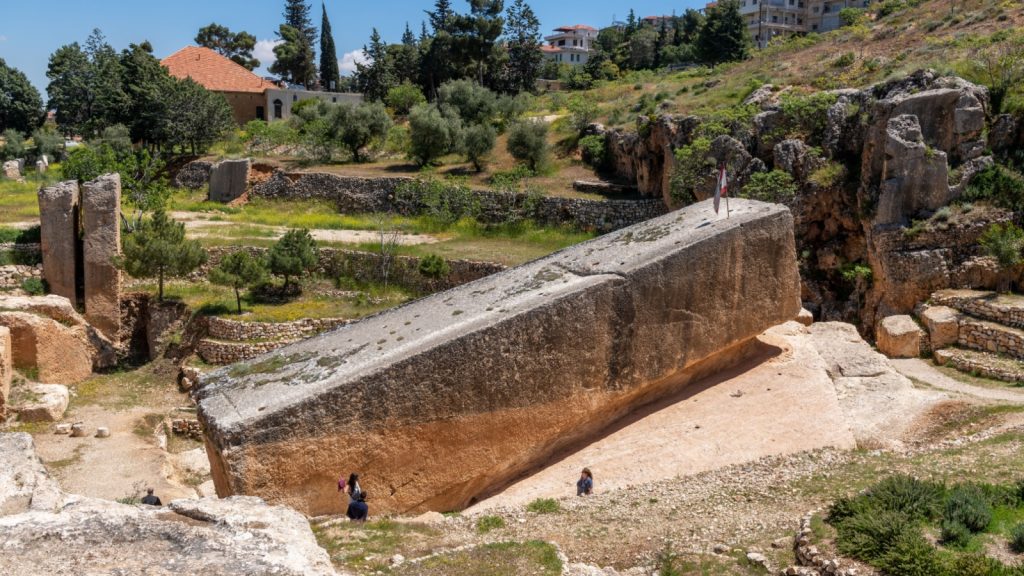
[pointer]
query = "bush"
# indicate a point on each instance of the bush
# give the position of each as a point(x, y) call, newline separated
point(582, 112)
point(594, 150)
point(845, 61)
point(955, 534)
point(966, 505)
point(528, 143)
point(998, 184)
point(473, 103)
point(774, 186)
point(478, 143)
point(404, 97)
point(910, 555)
point(918, 499)
point(293, 255)
point(868, 536)
point(362, 124)
point(14, 145)
point(977, 564)
point(1004, 243)
point(829, 175)
point(264, 137)
point(544, 506)
point(806, 115)
point(1017, 538)
point(486, 524)
point(48, 142)
point(434, 266)
point(432, 134)
point(692, 169)
point(34, 286)
point(444, 202)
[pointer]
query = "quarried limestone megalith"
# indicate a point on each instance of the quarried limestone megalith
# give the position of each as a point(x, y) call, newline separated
point(101, 235)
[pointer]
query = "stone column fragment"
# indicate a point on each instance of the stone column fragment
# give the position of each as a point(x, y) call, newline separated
point(58, 217)
point(6, 369)
point(101, 233)
point(228, 180)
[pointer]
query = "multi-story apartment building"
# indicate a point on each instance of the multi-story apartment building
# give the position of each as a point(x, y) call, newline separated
point(570, 44)
point(768, 19)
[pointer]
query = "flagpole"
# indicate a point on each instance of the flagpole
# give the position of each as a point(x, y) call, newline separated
point(727, 213)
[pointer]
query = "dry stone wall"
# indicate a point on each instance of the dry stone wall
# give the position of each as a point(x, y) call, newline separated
point(224, 329)
point(440, 401)
point(984, 305)
point(221, 353)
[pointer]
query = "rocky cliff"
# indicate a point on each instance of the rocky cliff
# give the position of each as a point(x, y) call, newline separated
point(443, 400)
point(868, 165)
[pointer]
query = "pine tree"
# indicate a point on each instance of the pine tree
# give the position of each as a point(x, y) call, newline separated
point(297, 15)
point(378, 76)
point(476, 34)
point(723, 36)
point(330, 76)
point(407, 57)
point(631, 24)
point(236, 46)
point(295, 59)
point(524, 43)
point(238, 271)
point(158, 249)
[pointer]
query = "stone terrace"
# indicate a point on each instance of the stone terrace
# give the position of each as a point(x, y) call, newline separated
point(440, 401)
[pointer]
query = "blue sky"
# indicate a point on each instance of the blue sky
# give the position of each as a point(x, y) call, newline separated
point(31, 31)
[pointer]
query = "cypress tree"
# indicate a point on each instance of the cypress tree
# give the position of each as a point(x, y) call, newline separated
point(330, 76)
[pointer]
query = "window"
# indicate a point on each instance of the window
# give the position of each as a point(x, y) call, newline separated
point(775, 19)
point(799, 21)
point(814, 27)
point(260, 113)
point(278, 109)
point(334, 98)
point(295, 97)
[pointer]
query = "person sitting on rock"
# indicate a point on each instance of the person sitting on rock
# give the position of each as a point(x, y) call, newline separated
point(150, 500)
point(358, 511)
point(585, 485)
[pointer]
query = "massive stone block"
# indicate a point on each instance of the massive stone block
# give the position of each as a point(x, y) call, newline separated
point(101, 232)
point(59, 354)
point(6, 369)
point(228, 180)
point(58, 218)
point(444, 400)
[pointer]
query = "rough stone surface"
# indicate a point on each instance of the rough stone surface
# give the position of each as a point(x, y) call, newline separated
point(915, 177)
point(6, 369)
point(805, 317)
point(899, 337)
point(12, 169)
point(60, 353)
point(43, 403)
point(193, 175)
point(436, 401)
point(101, 233)
point(58, 216)
point(943, 324)
point(229, 180)
point(45, 531)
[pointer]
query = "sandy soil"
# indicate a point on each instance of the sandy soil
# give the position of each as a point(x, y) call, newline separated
point(781, 402)
point(923, 371)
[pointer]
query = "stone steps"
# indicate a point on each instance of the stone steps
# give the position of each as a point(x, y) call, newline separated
point(984, 364)
point(988, 336)
point(1005, 309)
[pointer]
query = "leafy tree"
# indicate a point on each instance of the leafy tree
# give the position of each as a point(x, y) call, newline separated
point(48, 142)
point(109, 101)
point(330, 76)
point(689, 27)
point(158, 249)
point(723, 36)
point(643, 49)
point(295, 58)
point(147, 84)
point(237, 46)
point(86, 87)
point(362, 124)
point(472, 102)
point(297, 15)
point(522, 35)
point(196, 117)
point(403, 97)
point(406, 58)
point(238, 271)
point(479, 141)
point(582, 112)
point(528, 143)
point(21, 106)
point(14, 145)
point(477, 33)
point(294, 254)
point(432, 134)
point(376, 77)
point(1004, 242)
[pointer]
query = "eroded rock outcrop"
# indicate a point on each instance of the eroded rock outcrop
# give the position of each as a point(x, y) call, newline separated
point(45, 531)
point(442, 400)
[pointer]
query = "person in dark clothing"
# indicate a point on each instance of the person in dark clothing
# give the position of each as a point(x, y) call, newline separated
point(150, 500)
point(358, 511)
point(585, 485)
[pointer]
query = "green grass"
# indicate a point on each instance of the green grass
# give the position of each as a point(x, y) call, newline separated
point(500, 559)
point(367, 547)
point(18, 202)
point(128, 388)
point(544, 506)
point(486, 524)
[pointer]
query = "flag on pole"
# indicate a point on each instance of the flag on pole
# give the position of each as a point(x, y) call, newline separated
point(722, 187)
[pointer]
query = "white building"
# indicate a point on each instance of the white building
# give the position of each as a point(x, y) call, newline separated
point(768, 19)
point(570, 44)
point(280, 100)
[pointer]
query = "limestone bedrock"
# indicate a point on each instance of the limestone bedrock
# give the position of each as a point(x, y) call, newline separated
point(445, 400)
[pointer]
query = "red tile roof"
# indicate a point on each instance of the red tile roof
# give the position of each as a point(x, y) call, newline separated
point(213, 71)
point(549, 48)
point(576, 27)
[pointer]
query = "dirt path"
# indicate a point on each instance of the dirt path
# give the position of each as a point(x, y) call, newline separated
point(923, 371)
point(200, 225)
point(112, 467)
point(781, 402)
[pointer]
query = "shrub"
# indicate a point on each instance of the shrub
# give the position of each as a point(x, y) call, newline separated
point(955, 534)
point(829, 175)
point(473, 103)
point(34, 286)
point(806, 115)
point(910, 555)
point(431, 134)
point(14, 145)
point(845, 61)
point(361, 124)
point(977, 564)
point(918, 499)
point(998, 184)
point(1004, 243)
point(404, 97)
point(544, 506)
point(528, 143)
point(692, 169)
point(774, 186)
point(294, 254)
point(49, 142)
point(966, 505)
point(852, 16)
point(582, 112)
point(434, 266)
point(486, 524)
point(869, 535)
point(594, 150)
point(444, 202)
point(478, 143)
point(264, 137)
point(1017, 538)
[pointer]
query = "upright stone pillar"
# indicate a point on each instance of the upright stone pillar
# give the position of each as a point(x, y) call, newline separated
point(6, 369)
point(58, 218)
point(228, 180)
point(101, 232)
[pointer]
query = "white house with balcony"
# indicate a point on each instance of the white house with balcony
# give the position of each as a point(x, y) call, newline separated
point(570, 44)
point(769, 19)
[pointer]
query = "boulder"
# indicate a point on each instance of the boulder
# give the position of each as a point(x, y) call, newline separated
point(794, 157)
point(44, 531)
point(58, 227)
point(59, 353)
point(805, 317)
point(943, 324)
point(6, 369)
point(101, 239)
point(229, 180)
point(12, 169)
point(915, 176)
point(101, 351)
point(899, 337)
point(519, 365)
point(41, 402)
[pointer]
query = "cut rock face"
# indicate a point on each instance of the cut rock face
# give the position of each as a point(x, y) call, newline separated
point(229, 180)
point(6, 369)
point(101, 233)
point(440, 401)
point(899, 337)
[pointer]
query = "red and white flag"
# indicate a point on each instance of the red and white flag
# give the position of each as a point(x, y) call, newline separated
point(722, 189)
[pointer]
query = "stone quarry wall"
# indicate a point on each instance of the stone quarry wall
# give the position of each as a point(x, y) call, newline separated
point(6, 369)
point(443, 400)
point(224, 329)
